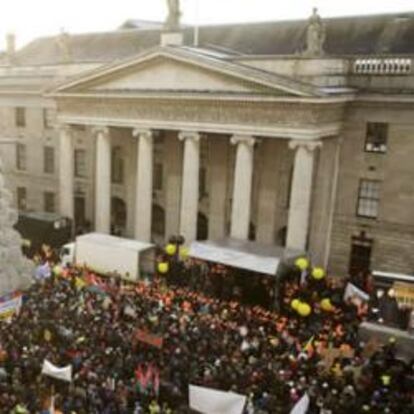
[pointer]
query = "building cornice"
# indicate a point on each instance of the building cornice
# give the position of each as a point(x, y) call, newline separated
point(385, 98)
point(205, 97)
point(284, 131)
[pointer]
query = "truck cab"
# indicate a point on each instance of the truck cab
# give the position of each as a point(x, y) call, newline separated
point(39, 228)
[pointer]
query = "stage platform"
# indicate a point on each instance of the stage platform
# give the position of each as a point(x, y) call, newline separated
point(405, 341)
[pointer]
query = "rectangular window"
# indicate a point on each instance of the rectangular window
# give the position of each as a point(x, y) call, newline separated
point(47, 118)
point(202, 182)
point(368, 198)
point(80, 163)
point(20, 117)
point(158, 176)
point(21, 198)
point(117, 170)
point(48, 160)
point(49, 201)
point(21, 157)
point(376, 137)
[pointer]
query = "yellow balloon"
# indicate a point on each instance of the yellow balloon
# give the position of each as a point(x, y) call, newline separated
point(171, 249)
point(184, 252)
point(302, 263)
point(304, 309)
point(318, 273)
point(295, 304)
point(386, 380)
point(326, 305)
point(163, 268)
point(57, 270)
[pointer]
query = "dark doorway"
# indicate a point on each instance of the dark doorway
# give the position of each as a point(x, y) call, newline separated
point(158, 223)
point(202, 227)
point(118, 216)
point(252, 231)
point(360, 259)
point(281, 236)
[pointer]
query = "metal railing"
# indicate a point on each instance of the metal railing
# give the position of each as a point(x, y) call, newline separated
point(385, 66)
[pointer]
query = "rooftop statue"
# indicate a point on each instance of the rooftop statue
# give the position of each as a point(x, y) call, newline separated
point(173, 19)
point(15, 269)
point(316, 34)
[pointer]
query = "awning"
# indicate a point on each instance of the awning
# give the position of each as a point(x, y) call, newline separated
point(243, 254)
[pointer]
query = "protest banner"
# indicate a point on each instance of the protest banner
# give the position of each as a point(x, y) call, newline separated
point(329, 355)
point(210, 401)
point(43, 271)
point(370, 348)
point(301, 406)
point(149, 339)
point(62, 374)
point(355, 294)
point(404, 293)
point(10, 305)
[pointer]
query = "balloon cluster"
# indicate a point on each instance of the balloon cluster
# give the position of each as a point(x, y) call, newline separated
point(303, 264)
point(174, 248)
point(316, 273)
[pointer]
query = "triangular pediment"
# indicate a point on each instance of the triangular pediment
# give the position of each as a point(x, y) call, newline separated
point(184, 71)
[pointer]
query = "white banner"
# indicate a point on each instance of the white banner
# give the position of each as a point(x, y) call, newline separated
point(63, 374)
point(236, 257)
point(209, 401)
point(301, 406)
point(10, 307)
point(352, 291)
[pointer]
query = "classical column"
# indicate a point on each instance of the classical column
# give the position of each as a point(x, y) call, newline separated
point(66, 173)
point(301, 193)
point(143, 190)
point(219, 154)
point(103, 180)
point(242, 189)
point(189, 192)
point(173, 179)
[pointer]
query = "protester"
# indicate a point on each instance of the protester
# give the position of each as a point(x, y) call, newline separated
point(136, 348)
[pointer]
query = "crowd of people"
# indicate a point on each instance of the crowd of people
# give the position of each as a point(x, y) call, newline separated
point(136, 348)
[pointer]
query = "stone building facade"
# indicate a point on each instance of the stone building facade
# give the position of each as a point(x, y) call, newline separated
point(289, 133)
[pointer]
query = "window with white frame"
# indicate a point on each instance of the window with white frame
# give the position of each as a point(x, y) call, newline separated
point(48, 159)
point(80, 163)
point(376, 137)
point(49, 201)
point(21, 198)
point(47, 118)
point(20, 117)
point(21, 162)
point(368, 198)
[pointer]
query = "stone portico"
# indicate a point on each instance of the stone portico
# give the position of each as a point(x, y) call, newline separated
point(192, 98)
point(282, 132)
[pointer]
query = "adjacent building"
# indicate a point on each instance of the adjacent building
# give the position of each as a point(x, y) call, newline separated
point(293, 133)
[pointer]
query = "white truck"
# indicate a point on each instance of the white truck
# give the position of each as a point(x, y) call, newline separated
point(104, 254)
